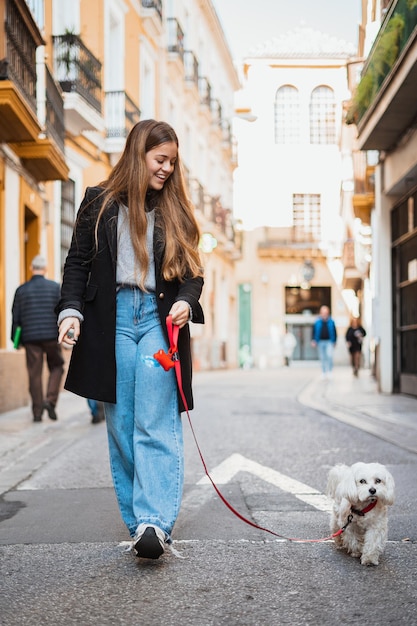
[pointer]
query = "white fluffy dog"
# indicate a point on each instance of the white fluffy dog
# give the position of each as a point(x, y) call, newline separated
point(361, 495)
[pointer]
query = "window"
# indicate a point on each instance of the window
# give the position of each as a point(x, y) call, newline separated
point(298, 300)
point(322, 116)
point(67, 217)
point(306, 217)
point(287, 115)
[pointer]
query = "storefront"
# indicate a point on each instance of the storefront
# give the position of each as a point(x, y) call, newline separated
point(404, 281)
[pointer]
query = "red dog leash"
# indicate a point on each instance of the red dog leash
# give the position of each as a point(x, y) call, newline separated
point(171, 359)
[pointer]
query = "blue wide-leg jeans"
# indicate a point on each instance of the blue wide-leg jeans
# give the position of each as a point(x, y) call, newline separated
point(144, 426)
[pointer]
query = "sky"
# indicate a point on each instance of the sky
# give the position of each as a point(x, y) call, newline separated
point(250, 22)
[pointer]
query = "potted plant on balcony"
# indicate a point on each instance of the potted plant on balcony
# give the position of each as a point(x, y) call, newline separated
point(66, 59)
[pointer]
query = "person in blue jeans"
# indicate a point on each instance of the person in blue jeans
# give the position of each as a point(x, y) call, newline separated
point(133, 260)
point(325, 337)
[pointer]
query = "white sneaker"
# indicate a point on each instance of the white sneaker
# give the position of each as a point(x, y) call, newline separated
point(149, 541)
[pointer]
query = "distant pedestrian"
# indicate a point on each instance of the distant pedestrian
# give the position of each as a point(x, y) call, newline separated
point(33, 311)
point(325, 337)
point(289, 343)
point(97, 410)
point(354, 338)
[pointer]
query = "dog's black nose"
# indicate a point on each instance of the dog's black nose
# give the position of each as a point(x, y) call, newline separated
point(372, 491)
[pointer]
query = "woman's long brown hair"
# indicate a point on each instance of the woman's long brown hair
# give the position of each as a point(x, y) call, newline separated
point(129, 183)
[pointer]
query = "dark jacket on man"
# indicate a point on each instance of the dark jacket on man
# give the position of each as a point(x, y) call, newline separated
point(89, 286)
point(33, 309)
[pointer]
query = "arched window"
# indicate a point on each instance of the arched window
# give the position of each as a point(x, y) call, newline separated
point(287, 115)
point(322, 116)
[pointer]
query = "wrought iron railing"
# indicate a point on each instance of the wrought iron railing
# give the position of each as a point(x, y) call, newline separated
point(217, 111)
point(121, 114)
point(55, 126)
point(363, 173)
point(77, 69)
point(175, 37)
point(191, 67)
point(153, 4)
point(226, 132)
point(19, 65)
point(204, 89)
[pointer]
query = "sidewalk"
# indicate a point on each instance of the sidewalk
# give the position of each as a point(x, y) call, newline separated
point(356, 401)
point(24, 445)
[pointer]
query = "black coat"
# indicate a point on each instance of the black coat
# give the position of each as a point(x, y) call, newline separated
point(89, 286)
point(354, 336)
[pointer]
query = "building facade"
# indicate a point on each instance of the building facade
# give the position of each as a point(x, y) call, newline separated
point(383, 112)
point(75, 76)
point(287, 194)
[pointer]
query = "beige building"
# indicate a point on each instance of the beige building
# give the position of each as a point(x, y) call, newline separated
point(287, 194)
point(75, 77)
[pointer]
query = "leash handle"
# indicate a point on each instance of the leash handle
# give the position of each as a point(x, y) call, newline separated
point(173, 333)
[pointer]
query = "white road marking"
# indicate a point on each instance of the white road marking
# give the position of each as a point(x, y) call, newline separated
point(225, 472)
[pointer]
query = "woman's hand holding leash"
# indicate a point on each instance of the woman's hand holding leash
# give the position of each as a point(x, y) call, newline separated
point(180, 313)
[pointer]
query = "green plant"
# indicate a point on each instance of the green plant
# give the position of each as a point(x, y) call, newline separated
point(67, 50)
point(385, 54)
point(388, 48)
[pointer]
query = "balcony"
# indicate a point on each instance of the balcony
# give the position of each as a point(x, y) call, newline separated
point(289, 243)
point(384, 103)
point(31, 118)
point(154, 6)
point(352, 278)
point(204, 89)
point(151, 13)
point(79, 74)
point(228, 141)
point(217, 112)
point(363, 200)
point(44, 158)
point(175, 39)
point(121, 115)
point(175, 48)
point(191, 68)
point(19, 38)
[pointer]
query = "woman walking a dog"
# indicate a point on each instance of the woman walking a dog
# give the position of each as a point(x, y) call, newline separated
point(133, 261)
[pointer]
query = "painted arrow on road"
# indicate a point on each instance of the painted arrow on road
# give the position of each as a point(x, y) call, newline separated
point(225, 472)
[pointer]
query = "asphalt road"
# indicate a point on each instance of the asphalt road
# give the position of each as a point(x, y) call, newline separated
point(60, 558)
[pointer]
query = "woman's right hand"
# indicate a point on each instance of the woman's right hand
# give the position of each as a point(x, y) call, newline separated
point(69, 331)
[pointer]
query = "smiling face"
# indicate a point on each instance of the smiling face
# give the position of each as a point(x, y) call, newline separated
point(160, 162)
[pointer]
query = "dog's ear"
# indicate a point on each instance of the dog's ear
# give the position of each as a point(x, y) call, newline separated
point(390, 487)
point(335, 476)
point(347, 486)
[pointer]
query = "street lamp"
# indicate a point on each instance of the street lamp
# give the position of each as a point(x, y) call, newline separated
point(307, 272)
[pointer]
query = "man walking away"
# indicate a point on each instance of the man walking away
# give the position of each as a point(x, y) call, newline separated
point(34, 311)
point(324, 337)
